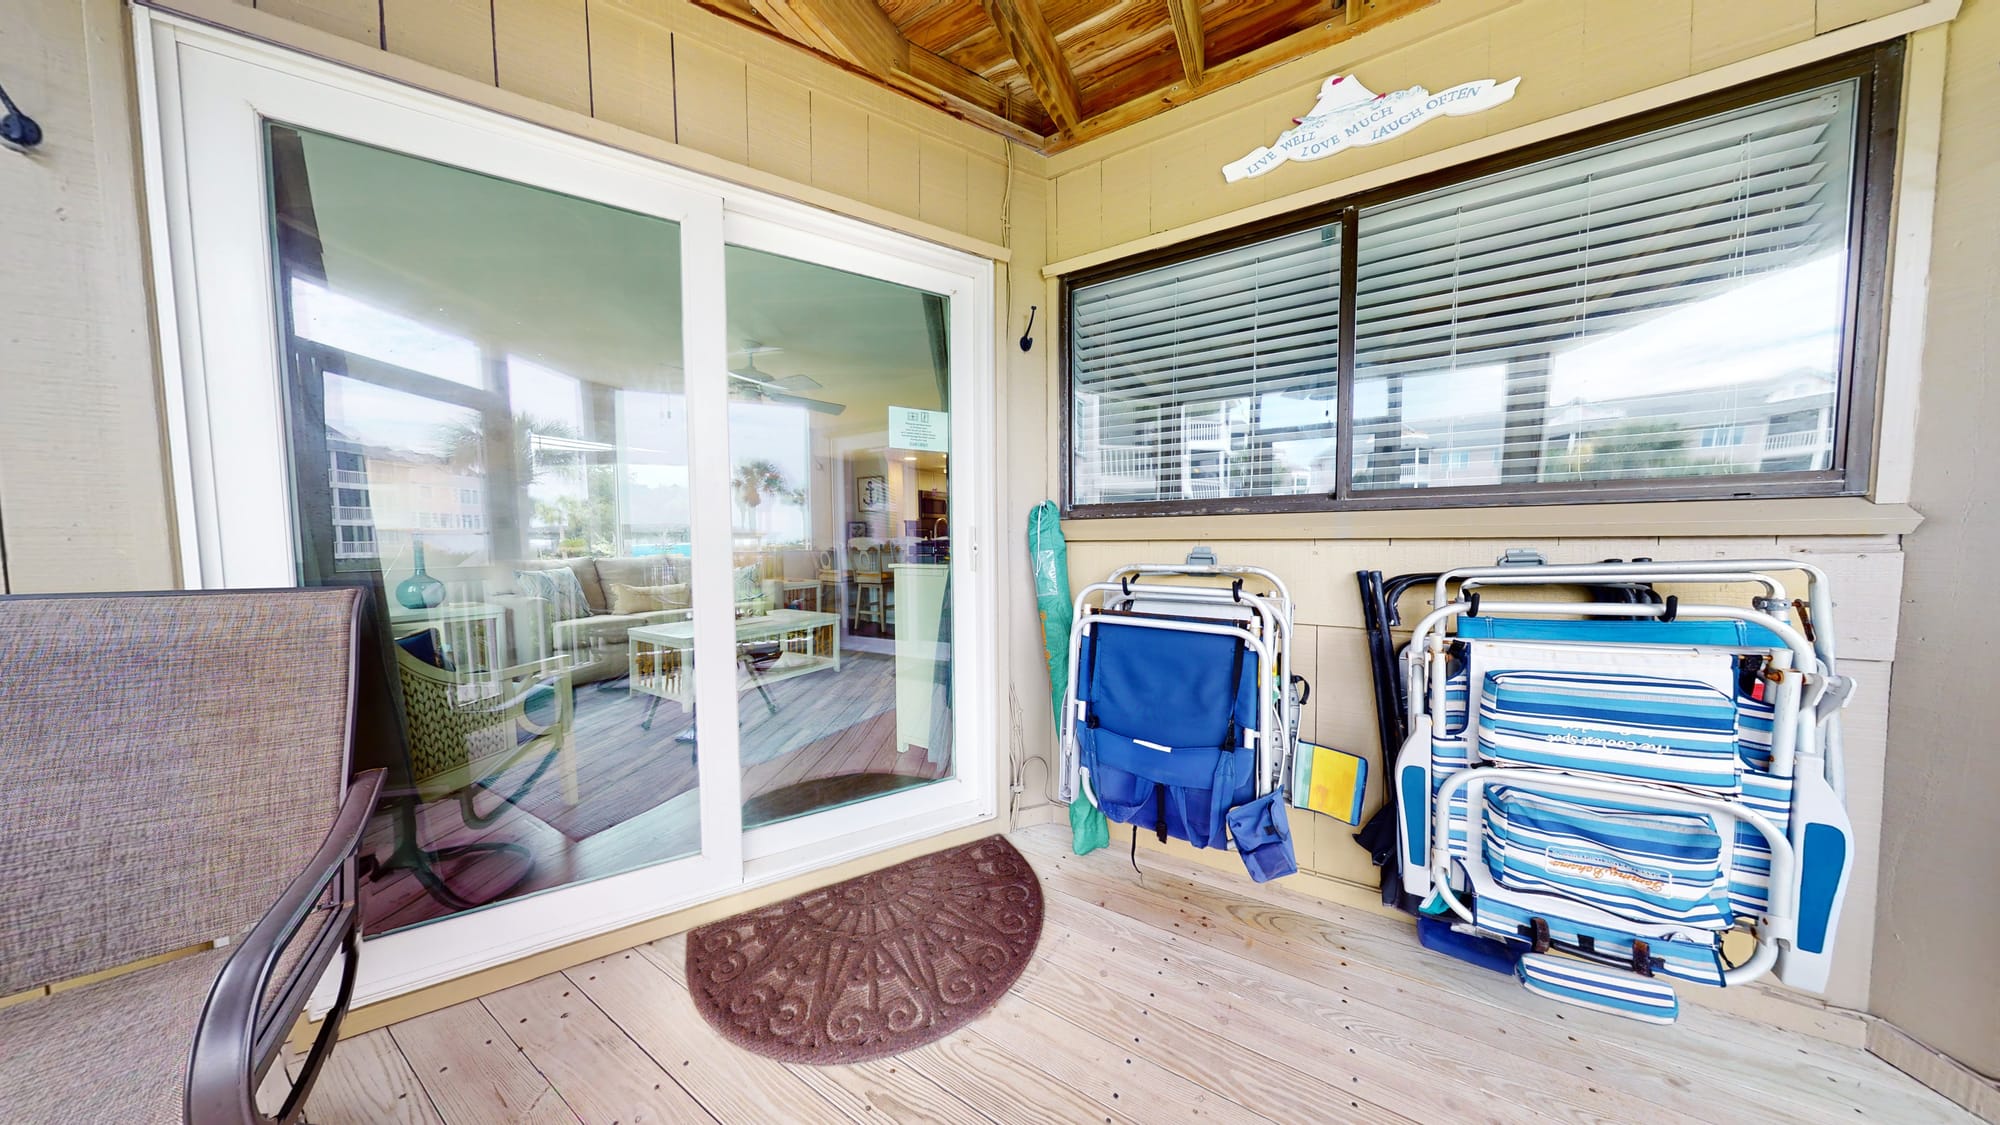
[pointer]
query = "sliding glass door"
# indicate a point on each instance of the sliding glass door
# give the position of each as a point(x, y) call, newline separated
point(839, 431)
point(652, 482)
point(487, 418)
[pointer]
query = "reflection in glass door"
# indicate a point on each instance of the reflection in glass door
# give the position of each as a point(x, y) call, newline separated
point(838, 422)
point(489, 429)
point(519, 386)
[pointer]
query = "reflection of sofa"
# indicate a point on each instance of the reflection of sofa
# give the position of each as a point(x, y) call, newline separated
point(597, 642)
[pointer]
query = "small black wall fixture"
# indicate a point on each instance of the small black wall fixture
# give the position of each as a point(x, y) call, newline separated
point(1028, 333)
point(17, 129)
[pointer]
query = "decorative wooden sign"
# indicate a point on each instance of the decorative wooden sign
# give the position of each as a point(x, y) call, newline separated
point(1348, 115)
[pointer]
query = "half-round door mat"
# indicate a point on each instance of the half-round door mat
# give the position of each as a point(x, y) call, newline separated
point(874, 965)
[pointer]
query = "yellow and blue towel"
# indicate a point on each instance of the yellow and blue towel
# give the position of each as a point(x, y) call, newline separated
point(1331, 781)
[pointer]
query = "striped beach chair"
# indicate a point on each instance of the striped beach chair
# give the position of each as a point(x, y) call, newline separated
point(1612, 790)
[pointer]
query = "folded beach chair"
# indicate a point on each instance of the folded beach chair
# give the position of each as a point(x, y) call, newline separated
point(1613, 788)
point(1180, 710)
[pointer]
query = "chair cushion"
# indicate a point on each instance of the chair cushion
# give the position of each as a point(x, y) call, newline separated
point(606, 628)
point(559, 587)
point(423, 644)
point(587, 578)
point(646, 599)
point(116, 1051)
point(649, 570)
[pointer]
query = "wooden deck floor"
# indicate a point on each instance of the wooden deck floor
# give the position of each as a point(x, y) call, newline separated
point(1182, 994)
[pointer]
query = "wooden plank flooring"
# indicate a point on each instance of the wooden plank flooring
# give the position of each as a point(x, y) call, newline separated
point(1176, 994)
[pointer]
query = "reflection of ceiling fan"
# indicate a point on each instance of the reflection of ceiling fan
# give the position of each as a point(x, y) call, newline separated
point(747, 382)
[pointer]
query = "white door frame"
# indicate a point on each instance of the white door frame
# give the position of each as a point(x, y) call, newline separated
point(206, 92)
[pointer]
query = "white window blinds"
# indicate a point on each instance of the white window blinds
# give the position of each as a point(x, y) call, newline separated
point(1209, 378)
point(1666, 306)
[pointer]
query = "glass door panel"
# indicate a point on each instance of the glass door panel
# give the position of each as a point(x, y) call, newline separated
point(489, 430)
point(838, 423)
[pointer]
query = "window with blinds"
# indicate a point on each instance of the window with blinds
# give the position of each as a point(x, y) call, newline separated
point(1671, 313)
point(1593, 318)
point(1211, 378)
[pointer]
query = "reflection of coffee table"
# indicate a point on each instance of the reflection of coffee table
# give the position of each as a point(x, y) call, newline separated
point(662, 656)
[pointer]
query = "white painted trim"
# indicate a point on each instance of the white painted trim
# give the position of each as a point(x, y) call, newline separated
point(1789, 519)
point(1950, 1078)
point(154, 71)
point(1919, 136)
point(234, 505)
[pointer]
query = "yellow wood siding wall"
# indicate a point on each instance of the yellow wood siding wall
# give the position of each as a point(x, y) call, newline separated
point(1160, 181)
point(83, 485)
point(1933, 977)
point(674, 72)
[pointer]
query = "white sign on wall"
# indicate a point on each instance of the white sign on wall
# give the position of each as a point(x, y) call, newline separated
point(927, 431)
point(1348, 115)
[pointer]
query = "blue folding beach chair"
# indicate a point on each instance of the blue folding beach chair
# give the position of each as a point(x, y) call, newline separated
point(1610, 789)
point(1168, 720)
point(1180, 715)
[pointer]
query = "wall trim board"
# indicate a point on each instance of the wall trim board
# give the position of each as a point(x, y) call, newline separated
point(1920, 137)
point(1844, 515)
point(266, 28)
point(1825, 46)
point(1952, 1079)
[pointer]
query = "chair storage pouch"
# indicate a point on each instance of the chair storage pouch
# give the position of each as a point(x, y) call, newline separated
point(1660, 866)
point(1262, 831)
point(1642, 728)
point(1137, 781)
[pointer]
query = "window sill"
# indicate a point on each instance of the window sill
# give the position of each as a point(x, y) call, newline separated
point(1837, 515)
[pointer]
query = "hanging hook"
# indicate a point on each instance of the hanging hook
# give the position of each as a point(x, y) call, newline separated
point(17, 130)
point(1028, 333)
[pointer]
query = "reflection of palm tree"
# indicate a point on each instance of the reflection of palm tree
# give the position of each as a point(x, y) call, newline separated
point(757, 479)
point(466, 446)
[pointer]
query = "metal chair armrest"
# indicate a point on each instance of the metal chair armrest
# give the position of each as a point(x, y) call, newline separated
point(234, 1044)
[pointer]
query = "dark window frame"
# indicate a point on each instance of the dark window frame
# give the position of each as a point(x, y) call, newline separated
point(1878, 71)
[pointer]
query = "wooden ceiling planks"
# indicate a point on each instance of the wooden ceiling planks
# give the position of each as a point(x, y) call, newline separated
point(1054, 73)
point(1034, 48)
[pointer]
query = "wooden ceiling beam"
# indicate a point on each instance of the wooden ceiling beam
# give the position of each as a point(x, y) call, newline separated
point(951, 87)
point(1276, 53)
point(854, 31)
point(1034, 48)
point(930, 78)
point(1186, 15)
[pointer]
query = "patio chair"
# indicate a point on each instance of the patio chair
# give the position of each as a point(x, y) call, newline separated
point(465, 732)
point(469, 729)
point(175, 764)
